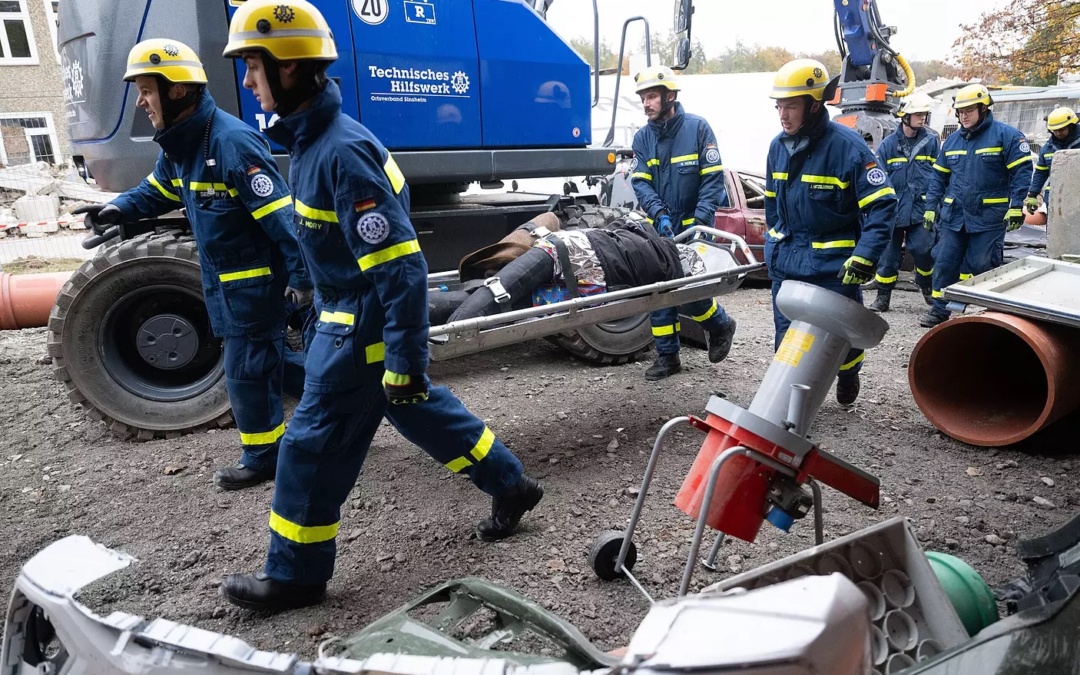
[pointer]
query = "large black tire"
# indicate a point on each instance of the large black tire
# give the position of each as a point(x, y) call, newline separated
point(131, 340)
point(612, 343)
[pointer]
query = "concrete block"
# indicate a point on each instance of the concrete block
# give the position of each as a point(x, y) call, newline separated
point(1063, 211)
point(37, 207)
point(40, 229)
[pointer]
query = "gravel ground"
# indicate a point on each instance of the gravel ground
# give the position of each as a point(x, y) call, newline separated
point(585, 430)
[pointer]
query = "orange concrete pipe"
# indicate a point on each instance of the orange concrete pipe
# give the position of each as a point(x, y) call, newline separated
point(27, 299)
point(994, 379)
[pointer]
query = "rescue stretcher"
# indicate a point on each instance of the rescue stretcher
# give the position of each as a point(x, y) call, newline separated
point(471, 336)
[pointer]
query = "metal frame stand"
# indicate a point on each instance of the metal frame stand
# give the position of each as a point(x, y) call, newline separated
point(710, 488)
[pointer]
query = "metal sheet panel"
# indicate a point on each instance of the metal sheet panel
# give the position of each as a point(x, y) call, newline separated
point(1048, 290)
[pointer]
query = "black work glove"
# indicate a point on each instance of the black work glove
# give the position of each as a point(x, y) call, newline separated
point(100, 216)
point(301, 297)
point(402, 389)
point(856, 270)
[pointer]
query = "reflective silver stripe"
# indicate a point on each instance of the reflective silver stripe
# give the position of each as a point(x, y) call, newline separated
point(282, 32)
point(163, 64)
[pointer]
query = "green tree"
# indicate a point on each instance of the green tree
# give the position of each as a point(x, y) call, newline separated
point(584, 47)
point(664, 47)
point(931, 70)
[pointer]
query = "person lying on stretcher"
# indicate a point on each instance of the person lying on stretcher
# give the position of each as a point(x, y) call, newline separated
point(623, 254)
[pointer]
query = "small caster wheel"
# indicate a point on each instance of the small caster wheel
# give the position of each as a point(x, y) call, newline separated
point(604, 554)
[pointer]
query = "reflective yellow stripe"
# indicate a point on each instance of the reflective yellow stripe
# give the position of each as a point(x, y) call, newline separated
point(483, 446)
point(924, 158)
point(1048, 155)
point(178, 182)
point(965, 275)
point(982, 151)
point(1042, 168)
point(344, 318)
point(245, 274)
point(770, 193)
point(197, 187)
point(458, 465)
point(643, 176)
point(264, 211)
point(1025, 158)
point(829, 180)
point(839, 243)
point(853, 362)
point(233, 192)
point(302, 534)
point(375, 353)
point(779, 175)
point(949, 200)
point(397, 179)
point(396, 379)
point(896, 160)
point(707, 315)
point(950, 153)
point(924, 273)
point(263, 438)
point(886, 280)
point(941, 168)
point(712, 169)
point(684, 158)
point(937, 294)
point(161, 188)
point(387, 254)
point(306, 211)
point(883, 192)
point(653, 162)
point(687, 221)
point(996, 200)
point(774, 234)
point(661, 331)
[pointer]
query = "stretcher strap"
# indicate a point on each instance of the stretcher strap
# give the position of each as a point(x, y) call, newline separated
point(568, 276)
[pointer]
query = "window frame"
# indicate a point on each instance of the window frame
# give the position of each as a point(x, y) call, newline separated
point(28, 24)
point(52, 17)
point(49, 129)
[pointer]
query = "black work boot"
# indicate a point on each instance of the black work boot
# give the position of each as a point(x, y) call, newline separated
point(507, 509)
point(881, 302)
point(932, 318)
point(239, 477)
point(927, 296)
point(665, 365)
point(847, 388)
point(260, 593)
point(720, 343)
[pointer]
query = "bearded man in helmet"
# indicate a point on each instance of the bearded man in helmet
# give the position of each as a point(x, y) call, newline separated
point(1062, 125)
point(829, 205)
point(678, 179)
point(908, 156)
point(981, 176)
point(221, 171)
point(368, 357)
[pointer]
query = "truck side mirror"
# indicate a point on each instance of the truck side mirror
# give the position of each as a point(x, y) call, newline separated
point(682, 54)
point(683, 11)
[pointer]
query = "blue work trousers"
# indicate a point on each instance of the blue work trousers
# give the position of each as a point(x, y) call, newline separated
point(253, 377)
point(854, 359)
point(325, 446)
point(920, 244)
point(959, 255)
point(665, 322)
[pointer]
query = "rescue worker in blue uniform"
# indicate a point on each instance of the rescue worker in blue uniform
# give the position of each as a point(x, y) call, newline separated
point(829, 205)
point(981, 176)
point(1062, 125)
point(368, 357)
point(679, 182)
point(908, 156)
point(221, 171)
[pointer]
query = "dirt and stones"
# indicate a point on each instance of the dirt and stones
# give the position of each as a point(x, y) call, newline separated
point(586, 431)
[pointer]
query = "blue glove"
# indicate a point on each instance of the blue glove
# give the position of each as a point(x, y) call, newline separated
point(663, 226)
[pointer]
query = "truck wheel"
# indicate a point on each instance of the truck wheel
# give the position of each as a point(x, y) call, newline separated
point(131, 340)
point(608, 344)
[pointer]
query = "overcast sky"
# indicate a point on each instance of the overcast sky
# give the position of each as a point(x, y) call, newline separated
point(927, 28)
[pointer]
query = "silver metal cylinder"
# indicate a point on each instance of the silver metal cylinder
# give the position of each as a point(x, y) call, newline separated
point(797, 403)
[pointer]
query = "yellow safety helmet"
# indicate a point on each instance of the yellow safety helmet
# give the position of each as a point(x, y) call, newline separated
point(1061, 118)
point(801, 77)
point(656, 76)
point(916, 103)
point(288, 30)
point(973, 94)
point(173, 60)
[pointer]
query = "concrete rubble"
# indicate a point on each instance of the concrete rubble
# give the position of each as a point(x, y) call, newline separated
point(37, 199)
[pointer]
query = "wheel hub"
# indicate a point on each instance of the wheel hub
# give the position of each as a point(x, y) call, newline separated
point(167, 341)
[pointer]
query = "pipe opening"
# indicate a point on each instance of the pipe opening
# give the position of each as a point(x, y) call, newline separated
point(981, 382)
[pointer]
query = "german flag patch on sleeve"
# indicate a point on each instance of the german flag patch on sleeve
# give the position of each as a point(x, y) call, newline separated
point(364, 205)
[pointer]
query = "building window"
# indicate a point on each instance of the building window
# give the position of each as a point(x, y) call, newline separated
point(17, 36)
point(52, 16)
point(28, 137)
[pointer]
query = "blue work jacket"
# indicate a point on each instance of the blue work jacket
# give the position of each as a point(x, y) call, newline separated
point(677, 170)
point(1046, 156)
point(826, 199)
point(220, 170)
point(980, 174)
point(910, 163)
point(352, 221)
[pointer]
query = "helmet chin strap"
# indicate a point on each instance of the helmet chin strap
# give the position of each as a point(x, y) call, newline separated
point(286, 101)
point(171, 108)
point(667, 104)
